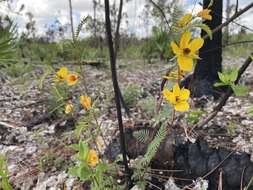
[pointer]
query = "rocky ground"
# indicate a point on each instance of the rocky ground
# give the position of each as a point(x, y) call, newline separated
point(34, 142)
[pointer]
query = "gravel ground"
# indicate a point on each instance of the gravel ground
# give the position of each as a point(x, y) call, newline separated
point(26, 148)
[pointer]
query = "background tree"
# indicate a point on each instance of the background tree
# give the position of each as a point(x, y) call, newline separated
point(71, 19)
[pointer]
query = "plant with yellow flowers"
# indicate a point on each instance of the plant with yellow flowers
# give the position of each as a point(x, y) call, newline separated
point(90, 167)
point(70, 98)
point(177, 97)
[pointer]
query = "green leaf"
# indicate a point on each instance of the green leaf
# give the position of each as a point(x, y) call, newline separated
point(210, 4)
point(240, 90)
point(218, 84)
point(223, 78)
point(83, 150)
point(74, 171)
point(84, 172)
point(206, 29)
point(250, 111)
point(102, 167)
point(142, 135)
point(6, 185)
point(74, 146)
point(233, 75)
point(194, 115)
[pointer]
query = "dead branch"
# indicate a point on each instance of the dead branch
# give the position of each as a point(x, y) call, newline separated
point(117, 36)
point(116, 91)
point(8, 125)
point(231, 19)
point(225, 97)
point(161, 11)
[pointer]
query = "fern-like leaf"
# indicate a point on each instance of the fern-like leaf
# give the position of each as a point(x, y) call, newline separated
point(154, 145)
point(7, 44)
point(142, 135)
point(80, 26)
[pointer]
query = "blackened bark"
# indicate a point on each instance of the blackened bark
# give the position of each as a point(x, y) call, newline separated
point(206, 70)
point(117, 35)
point(116, 44)
point(194, 159)
point(116, 91)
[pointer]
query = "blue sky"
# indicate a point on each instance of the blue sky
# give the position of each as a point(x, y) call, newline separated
point(46, 11)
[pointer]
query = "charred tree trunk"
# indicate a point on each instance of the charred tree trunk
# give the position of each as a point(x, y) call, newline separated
point(116, 91)
point(117, 35)
point(206, 70)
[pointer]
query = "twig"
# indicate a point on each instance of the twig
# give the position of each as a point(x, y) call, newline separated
point(220, 181)
point(161, 11)
point(225, 97)
point(243, 26)
point(249, 184)
point(117, 36)
point(236, 6)
point(229, 44)
point(216, 167)
point(153, 185)
point(241, 187)
point(116, 48)
point(116, 91)
point(210, 172)
point(7, 125)
point(231, 19)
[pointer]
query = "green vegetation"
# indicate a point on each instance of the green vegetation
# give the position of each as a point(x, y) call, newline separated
point(4, 182)
point(147, 106)
point(131, 94)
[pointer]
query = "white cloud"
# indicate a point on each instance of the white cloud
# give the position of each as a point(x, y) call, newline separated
point(46, 11)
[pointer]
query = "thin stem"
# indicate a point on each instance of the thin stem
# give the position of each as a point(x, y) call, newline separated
point(116, 91)
point(224, 99)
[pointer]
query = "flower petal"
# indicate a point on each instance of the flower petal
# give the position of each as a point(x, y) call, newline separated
point(185, 39)
point(62, 74)
point(196, 44)
point(176, 90)
point(72, 79)
point(175, 48)
point(205, 14)
point(185, 20)
point(182, 106)
point(184, 94)
point(185, 63)
point(85, 101)
point(169, 96)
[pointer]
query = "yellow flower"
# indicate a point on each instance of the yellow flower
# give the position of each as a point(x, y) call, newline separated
point(62, 74)
point(68, 108)
point(186, 51)
point(205, 14)
point(92, 158)
point(85, 101)
point(184, 20)
point(72, 79)
point(178, 98)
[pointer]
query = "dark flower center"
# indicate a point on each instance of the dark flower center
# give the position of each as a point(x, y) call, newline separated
point(73, 78)
point(186, 51)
